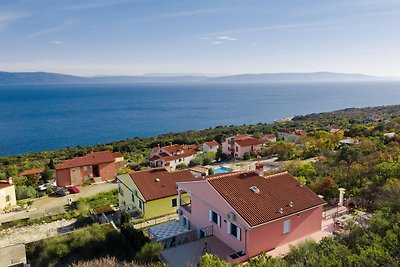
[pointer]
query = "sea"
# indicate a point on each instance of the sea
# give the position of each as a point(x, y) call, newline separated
point(44, 117)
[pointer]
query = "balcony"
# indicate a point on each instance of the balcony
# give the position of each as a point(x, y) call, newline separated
point(186, 206)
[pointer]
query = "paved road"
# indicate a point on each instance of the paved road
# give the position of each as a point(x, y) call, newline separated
point(55, 205)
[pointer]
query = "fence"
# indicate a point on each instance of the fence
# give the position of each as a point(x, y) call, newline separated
point(187, 237)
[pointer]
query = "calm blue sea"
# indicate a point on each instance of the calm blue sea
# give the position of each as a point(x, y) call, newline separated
point(36, 118)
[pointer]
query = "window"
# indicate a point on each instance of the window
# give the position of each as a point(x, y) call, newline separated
point(140, 204)
point(84, 168)
point(237, 149)
point(133, 197)
point(174, 202)
point(120, 191)
point(185, 222)
point(233, 230)
point(7, 198)
point(214, 217)
point(286, 226)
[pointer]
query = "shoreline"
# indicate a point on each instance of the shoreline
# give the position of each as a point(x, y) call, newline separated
point(171, 135)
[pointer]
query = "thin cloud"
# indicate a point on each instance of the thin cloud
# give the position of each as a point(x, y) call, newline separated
point(227, 38)
point(7, 18)
point(265, 28)
point(57, 42)
point(98, 4)
point(65, 25)
point(185, 13)
point(217, 42)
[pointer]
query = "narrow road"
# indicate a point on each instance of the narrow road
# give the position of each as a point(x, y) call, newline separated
point(55, 205)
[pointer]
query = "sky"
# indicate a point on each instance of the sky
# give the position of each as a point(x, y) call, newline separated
point(219, 37)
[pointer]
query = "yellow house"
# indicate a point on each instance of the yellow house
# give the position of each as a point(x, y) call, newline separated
point(152, 192)
point(7, 195)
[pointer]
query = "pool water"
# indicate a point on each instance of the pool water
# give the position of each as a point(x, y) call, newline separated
point(222, 169)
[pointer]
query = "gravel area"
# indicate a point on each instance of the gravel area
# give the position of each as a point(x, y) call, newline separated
point(36, 232)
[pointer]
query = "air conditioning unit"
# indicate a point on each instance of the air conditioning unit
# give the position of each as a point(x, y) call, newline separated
point(231, 216)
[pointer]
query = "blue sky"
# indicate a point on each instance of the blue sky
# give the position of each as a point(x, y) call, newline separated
point(130, 37)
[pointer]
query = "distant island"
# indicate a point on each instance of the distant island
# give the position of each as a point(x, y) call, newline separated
point(20, 78)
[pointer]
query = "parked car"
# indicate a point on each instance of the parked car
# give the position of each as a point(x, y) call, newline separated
point(73, 189)
point(60, 192)
point(42, 187)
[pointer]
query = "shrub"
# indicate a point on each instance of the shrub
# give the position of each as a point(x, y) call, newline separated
point(150, 252)
point(87, 182)
point(23, 192)
point(246, 156)
point(181, 166)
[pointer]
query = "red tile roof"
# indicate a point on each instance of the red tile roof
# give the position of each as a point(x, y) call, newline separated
point(32, 171)
point(270, 136)
point(300, 132)
point(117, 154)
point(212, 143)
point(159, 183)
point(4, 184)
point(279, 195)
point(172, 148)
point(184, 154)
point(90, 159)
point(250, 141)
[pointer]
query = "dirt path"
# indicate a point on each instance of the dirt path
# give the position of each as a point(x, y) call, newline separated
point(35, 232)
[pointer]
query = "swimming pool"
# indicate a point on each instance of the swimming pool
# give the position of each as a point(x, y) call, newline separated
point(222, 169)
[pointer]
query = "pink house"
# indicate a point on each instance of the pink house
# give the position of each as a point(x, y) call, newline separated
point(237, 145)
point(251, 213)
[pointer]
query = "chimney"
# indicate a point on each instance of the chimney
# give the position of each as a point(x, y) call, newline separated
point(260, 168)
point(341, 196)
point(10, 180)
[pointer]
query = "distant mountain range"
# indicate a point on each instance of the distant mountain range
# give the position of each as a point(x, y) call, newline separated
point(16, 78)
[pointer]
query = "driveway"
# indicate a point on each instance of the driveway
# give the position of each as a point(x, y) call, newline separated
point(54, 205)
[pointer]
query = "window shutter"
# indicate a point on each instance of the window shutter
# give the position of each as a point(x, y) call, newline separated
point(210, 215)
point(238, 233)
point(228, 227)
point(219, 220)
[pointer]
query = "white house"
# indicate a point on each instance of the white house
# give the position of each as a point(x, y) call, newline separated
point(211, 146)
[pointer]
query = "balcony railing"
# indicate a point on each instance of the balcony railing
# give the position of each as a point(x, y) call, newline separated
point(187, 237)
point(186, 206)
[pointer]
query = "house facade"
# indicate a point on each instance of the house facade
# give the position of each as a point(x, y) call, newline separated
point(292, 136)
point(171, 156)
point(251, 213)
point(236, 146)
point(96, 165)
point(211, 146)
point(152, 192)
point(7, 194)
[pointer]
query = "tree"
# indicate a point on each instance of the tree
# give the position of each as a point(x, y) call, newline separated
point(135, 237)
point(51, 164)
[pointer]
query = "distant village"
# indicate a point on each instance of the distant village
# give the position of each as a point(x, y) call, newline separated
point(236, 209)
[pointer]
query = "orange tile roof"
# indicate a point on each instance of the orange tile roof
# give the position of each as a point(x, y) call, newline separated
point(164, 186)
point(89, 159)
point(212, 143)
point(250, 141)
point(31, 171)
point(279, 195)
